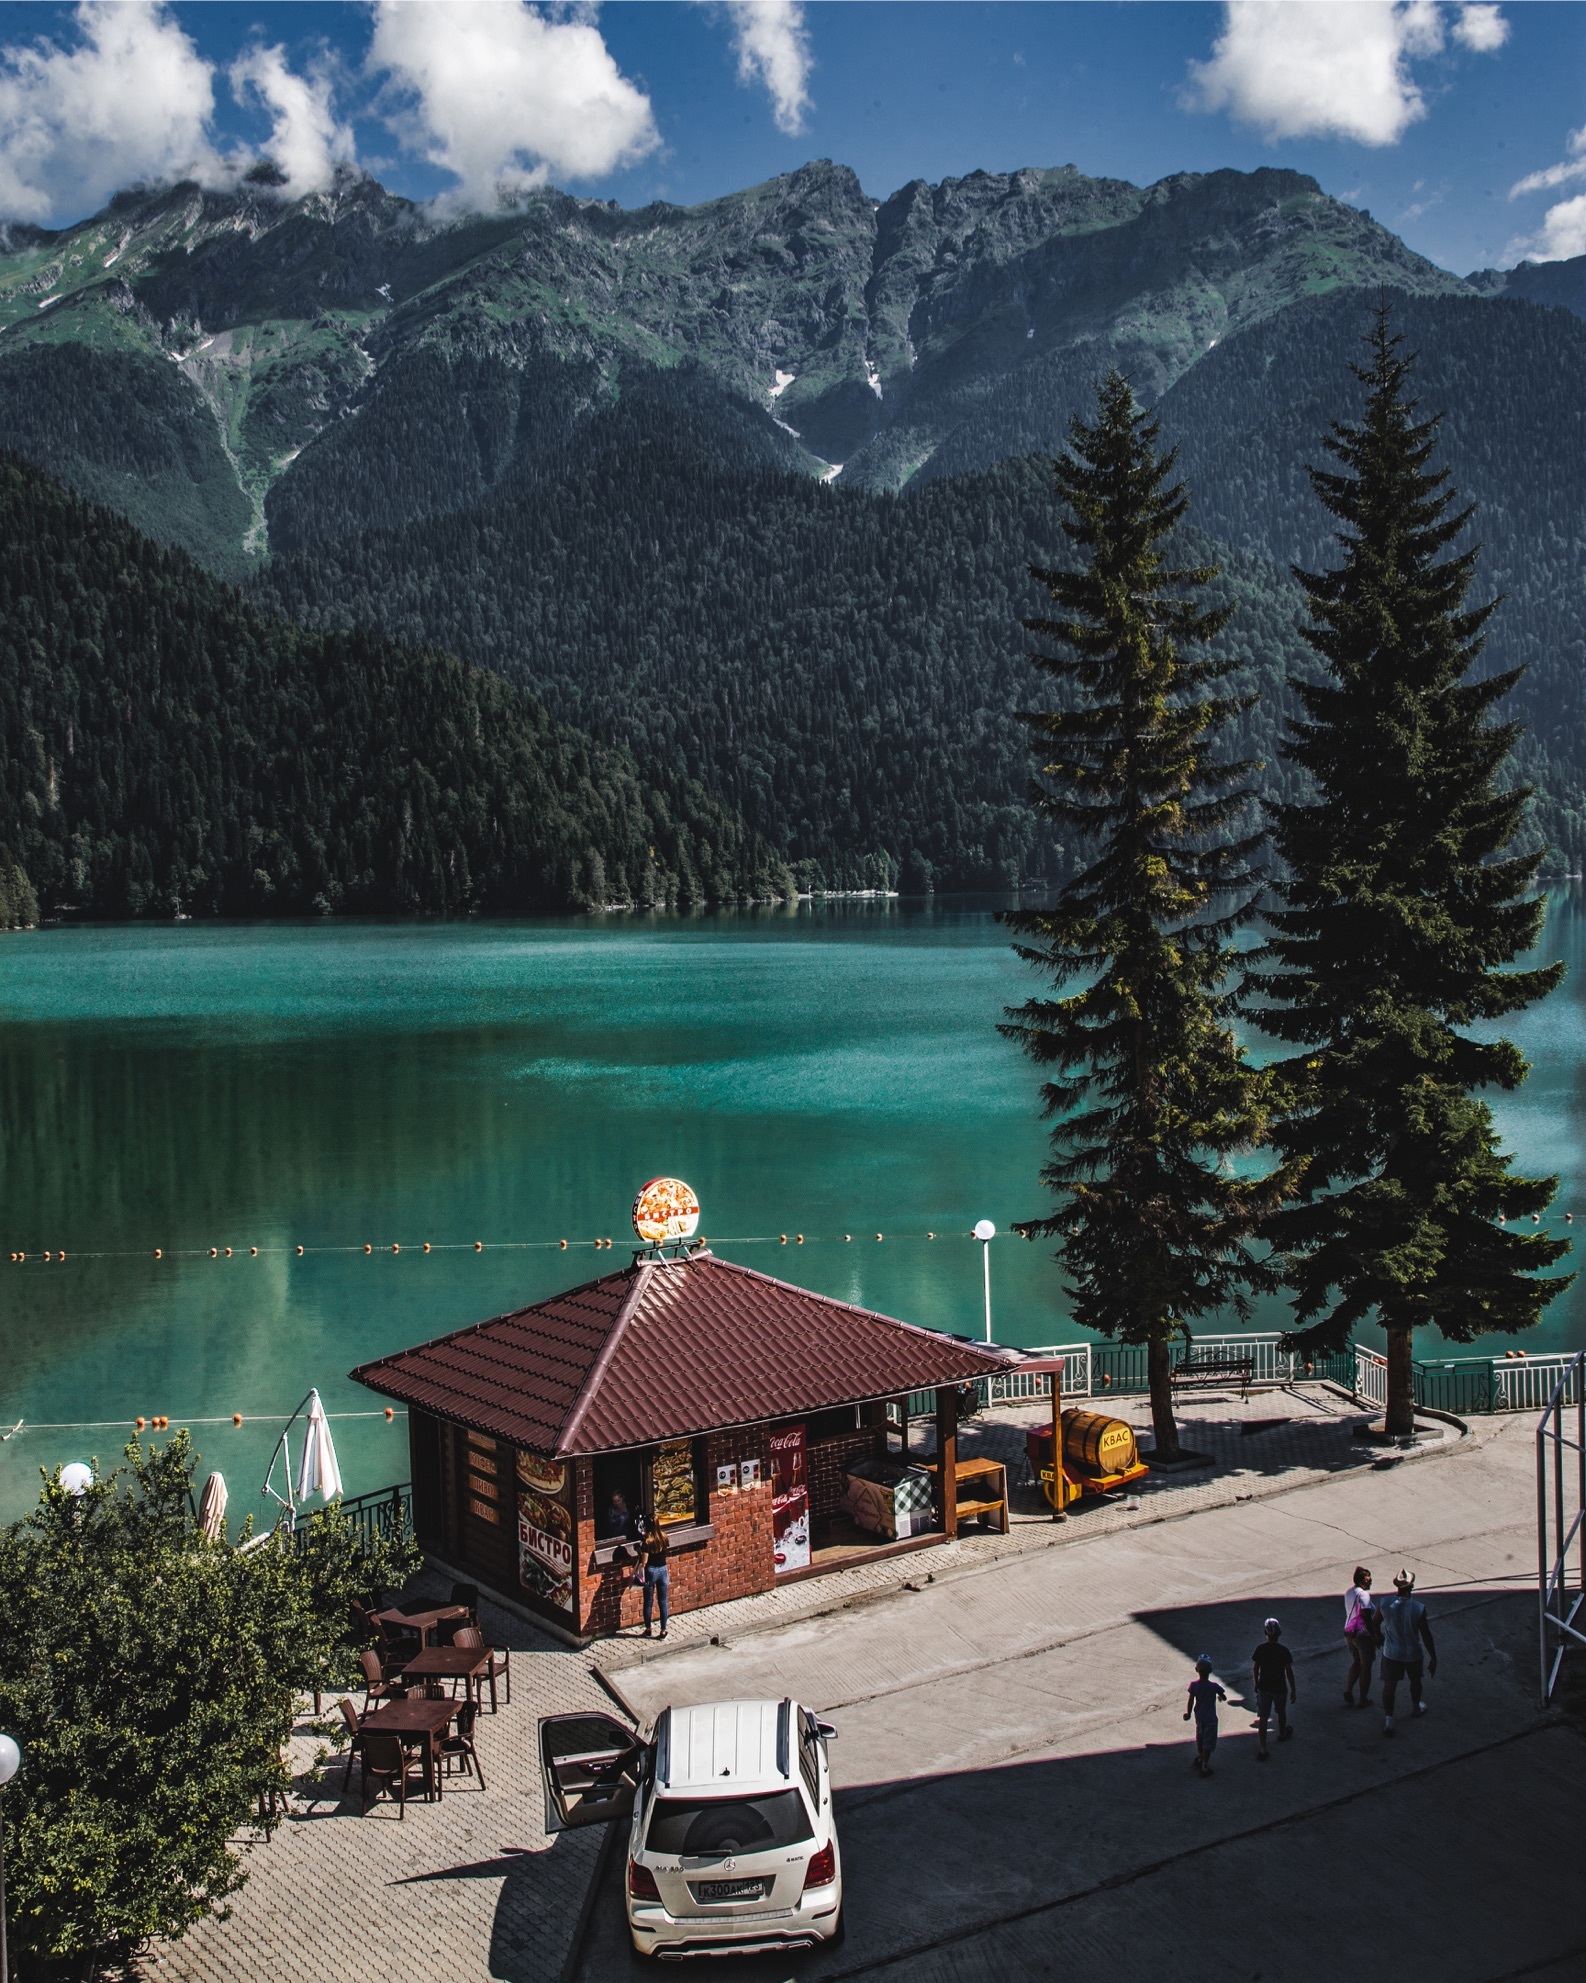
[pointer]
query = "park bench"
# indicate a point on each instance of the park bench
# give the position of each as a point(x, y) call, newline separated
point(1204, 1371)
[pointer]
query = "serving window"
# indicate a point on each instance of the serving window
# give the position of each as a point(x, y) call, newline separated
point(619, 1496)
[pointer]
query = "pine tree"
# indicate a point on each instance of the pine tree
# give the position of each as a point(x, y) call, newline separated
point(1399, 907)
point(1149, 1091)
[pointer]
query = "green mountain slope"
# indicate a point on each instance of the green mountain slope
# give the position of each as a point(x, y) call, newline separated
point(844, 666)
point(353, 325)
point(166, 749)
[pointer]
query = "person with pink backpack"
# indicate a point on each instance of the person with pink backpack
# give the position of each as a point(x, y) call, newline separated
point(1362, 1633)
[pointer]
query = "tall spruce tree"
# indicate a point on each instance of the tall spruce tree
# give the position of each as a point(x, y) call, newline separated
point(1149, 1091)
point(1399, 905)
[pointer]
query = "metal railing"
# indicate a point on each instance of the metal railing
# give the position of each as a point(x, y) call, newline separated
point(1371, 1377)
point(384, 1512)
point(1526, 1383)
point(1557, 1614)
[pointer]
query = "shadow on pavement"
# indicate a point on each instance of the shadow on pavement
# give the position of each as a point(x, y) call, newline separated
point(1124, 1861)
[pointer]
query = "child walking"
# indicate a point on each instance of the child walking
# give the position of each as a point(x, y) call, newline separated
point(1204, 1694)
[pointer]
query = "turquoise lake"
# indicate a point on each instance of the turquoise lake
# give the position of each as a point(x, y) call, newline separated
point(831, 1070)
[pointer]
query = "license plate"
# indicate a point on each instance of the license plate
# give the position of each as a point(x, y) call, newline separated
point(707, 1890)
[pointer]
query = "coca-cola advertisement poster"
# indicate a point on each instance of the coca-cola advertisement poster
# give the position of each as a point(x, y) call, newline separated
point(790, 1500)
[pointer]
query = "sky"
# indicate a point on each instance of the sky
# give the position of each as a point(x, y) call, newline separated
point(1460, 126)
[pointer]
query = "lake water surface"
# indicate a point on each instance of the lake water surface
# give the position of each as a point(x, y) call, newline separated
point(831, 1071)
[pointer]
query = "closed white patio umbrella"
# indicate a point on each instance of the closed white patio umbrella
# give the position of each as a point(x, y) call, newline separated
point(212, 1506)
point(318, 1473)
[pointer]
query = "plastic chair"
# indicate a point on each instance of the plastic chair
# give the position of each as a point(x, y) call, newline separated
point(500, 1660)
point(355, 1746)
point(459, 1747)
point(387, 1770)
point(376, 1687)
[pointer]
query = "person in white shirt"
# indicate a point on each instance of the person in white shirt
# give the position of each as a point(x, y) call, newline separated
point(1362, 1626)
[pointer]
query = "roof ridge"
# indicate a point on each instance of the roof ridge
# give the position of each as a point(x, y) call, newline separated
point(641, 1272)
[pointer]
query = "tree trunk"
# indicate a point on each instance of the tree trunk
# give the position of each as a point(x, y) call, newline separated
point(1401, 1385)
point(1159, 1365)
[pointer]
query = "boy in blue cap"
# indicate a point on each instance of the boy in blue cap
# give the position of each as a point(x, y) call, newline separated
point(1204, 1694)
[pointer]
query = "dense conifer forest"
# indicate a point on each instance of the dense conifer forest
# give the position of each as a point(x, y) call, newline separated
point(168, 749)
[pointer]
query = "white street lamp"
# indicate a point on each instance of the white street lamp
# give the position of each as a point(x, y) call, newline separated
point(10, 1763)
point(986, 1232)
point(76, 1479)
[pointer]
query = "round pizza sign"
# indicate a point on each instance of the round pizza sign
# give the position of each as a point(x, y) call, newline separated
point(665, 1209)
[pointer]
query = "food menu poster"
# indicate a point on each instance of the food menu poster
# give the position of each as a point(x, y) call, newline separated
point(672, 1482)
point(545, 1530)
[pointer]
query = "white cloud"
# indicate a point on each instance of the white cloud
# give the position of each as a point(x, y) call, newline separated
point(1574, 167)
point(130, 103)
point(1563, 230)
point(1482, 28)
point(773, 48)
point(1330, 68)
point(503, 96)
point(305, 140)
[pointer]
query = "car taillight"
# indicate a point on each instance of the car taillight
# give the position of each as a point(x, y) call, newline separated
point(822, 1869)
point(641, 1882)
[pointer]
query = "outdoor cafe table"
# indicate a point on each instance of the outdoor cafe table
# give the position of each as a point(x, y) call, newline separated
point(422, 1622)
point(417, 1715)
point(467, 1663)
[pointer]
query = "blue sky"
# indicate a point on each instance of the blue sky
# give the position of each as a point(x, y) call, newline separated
point(1429, 114)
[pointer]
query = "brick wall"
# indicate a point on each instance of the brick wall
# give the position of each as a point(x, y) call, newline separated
point(735, 1562)
point(828, 1461)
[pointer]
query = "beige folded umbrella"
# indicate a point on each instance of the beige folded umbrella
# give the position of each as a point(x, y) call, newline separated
point(212, 1506)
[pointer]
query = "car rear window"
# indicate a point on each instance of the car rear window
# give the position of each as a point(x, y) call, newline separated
point(700, 1827)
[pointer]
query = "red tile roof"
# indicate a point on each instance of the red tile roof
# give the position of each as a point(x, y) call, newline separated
point(663, 1350)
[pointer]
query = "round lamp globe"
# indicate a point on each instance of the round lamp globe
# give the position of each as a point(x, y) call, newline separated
point(10, 1758)
point(76, 1478)
point(984, 1229)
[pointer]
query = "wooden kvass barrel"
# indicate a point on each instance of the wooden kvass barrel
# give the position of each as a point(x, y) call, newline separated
point(1095, 1443)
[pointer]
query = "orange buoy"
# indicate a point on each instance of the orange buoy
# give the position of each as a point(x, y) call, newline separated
point(159, 1253)
point(930, 1235)
point(784, 1239)
point(46, 1256)
point(140, 1424)
point(426, 1246)
point(878, 1235)
point(368, 1248)
point(214, 1253)
point(800, 1238)
point(236, 1418)
point(300, 1253)
point(564, 1245)
point(389, 1412)
point(228, 1252)
point(254, 1251)
point(61, 1255)
point(479, 1246)
point(848, 1236)
point(396, 1249)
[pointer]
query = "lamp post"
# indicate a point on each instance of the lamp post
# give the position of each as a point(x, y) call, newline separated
point(76, 1479)
point(986, 1232)
point(10, 1763)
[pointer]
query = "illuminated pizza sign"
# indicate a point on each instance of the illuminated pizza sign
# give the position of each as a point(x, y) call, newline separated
point(666, 1209)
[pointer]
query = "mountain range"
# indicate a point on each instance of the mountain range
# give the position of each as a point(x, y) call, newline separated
point(748, 488)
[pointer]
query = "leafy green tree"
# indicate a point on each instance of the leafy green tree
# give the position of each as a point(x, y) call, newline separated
point(1398, 908)
point(1149, 1091)
point(151, 1677)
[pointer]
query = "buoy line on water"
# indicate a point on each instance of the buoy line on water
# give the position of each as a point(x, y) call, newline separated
point(163, 1421)
point(62, 1256)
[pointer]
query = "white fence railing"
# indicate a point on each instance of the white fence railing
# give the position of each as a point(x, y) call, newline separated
point(1371, 1378)
point(1017, 1385)
point(1527, 1383)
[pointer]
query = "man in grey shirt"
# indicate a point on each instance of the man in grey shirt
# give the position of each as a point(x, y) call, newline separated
point(1404, 1632)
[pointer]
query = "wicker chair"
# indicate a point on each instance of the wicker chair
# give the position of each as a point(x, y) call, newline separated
point(388, 1770)
point(459, 1747)
point(500, 1660)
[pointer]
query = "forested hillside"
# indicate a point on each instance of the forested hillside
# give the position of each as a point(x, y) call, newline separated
point(844, 667)
point(166, 749)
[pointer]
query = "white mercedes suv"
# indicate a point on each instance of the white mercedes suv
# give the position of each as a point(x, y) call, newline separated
point(731, 1845)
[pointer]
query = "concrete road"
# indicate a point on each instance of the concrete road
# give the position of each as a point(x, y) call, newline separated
point(1015, 1796)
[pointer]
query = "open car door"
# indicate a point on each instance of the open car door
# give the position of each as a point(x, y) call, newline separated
point(590, 1764)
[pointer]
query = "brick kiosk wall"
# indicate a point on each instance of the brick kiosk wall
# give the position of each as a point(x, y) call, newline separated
point(827, 1462)
point(735, 1562)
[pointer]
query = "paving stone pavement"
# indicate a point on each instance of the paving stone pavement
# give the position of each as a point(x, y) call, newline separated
point(469, 1890)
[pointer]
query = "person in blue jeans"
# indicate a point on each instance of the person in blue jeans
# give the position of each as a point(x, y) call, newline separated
point(1204, 1694)
point(657, 1580)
